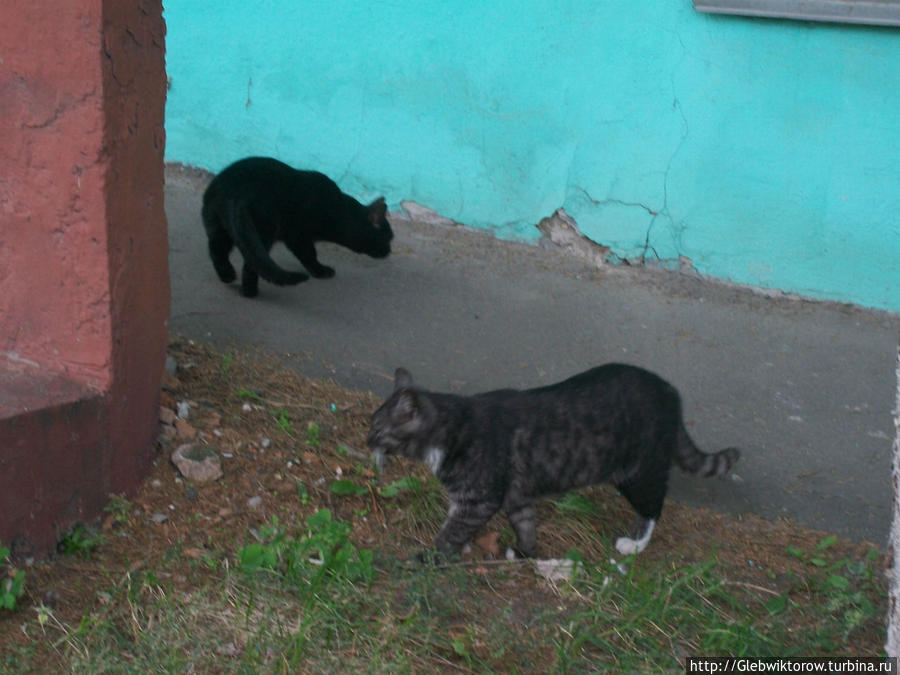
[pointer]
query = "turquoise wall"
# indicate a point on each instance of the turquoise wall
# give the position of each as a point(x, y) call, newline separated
point(766, 152)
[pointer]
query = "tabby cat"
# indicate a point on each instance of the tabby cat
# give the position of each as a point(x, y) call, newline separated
point(502, 449)
point(258, 200)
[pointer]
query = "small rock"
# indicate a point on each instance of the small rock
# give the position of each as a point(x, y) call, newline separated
point(185, 430)
point(184, 410)
point(166, 415)
point(167, 434)
point(265, 442)
point(224, 512)
point(254, 502)
point(169, 382)
point(156, 482)
point(159, 518)
point(228, 649)
point(556, 569)
point(246, 407)
point(197, 462)
point(191, 493)
point(166, 400)
point(51, 598)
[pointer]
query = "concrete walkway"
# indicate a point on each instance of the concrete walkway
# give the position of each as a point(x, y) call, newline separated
point(805, 389)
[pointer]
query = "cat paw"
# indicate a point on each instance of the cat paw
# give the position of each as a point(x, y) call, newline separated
point(628, 546)
point(249, 292)
point(323, 272)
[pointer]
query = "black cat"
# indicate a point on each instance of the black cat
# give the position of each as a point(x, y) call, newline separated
point(502, 449)
point(258, 200)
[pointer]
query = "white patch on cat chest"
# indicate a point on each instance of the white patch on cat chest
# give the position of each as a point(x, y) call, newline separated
point(433, 459)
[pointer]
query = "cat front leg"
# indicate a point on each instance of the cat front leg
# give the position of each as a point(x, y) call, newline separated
point(463, 520)
point(306, 254)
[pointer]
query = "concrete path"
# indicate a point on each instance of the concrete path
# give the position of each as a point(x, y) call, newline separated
point(805, 389)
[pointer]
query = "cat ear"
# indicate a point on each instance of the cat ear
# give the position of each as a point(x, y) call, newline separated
point(405, 408)
point(402, 379)
point(377, 211)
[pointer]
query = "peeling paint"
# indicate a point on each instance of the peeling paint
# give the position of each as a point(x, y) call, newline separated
point(559, 231)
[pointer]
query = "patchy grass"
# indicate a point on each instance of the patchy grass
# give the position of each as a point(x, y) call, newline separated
point(320, 573)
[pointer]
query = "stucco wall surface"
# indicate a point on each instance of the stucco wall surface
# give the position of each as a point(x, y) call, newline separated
point(763, 151)
point(83, 259)
point(54, 302)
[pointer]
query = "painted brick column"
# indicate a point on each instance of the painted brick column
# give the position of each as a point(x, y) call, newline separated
point(84, 282)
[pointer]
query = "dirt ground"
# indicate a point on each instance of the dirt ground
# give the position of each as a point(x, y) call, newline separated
point(280, 434)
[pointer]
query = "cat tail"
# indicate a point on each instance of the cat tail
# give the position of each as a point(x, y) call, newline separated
point(252, 248)
point(691, 459)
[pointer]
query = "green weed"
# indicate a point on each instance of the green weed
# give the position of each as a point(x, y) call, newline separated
point(283, 421)
point(12, 581)
point(650, 617)
point(247, 395)
point(846, 585)
point(344, 488)
point(313, 434)
point(317, 562)
point(406, 483)
point(119, 508)
point(80, 540)
point(302, 492)
point(575, 503)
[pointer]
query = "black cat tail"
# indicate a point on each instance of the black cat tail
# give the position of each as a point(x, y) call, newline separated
point(691, 459)
point(252, 248)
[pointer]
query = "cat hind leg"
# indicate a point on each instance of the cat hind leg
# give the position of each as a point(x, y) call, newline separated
point(522, 520)
point(645, 492)
point(220, 245)
point(249, 281)
point(641, 533)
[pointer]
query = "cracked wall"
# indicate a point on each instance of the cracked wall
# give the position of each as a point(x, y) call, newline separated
point(759, 150)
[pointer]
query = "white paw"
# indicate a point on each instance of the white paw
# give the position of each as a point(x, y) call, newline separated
point(510, 554)
point(627, 546)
